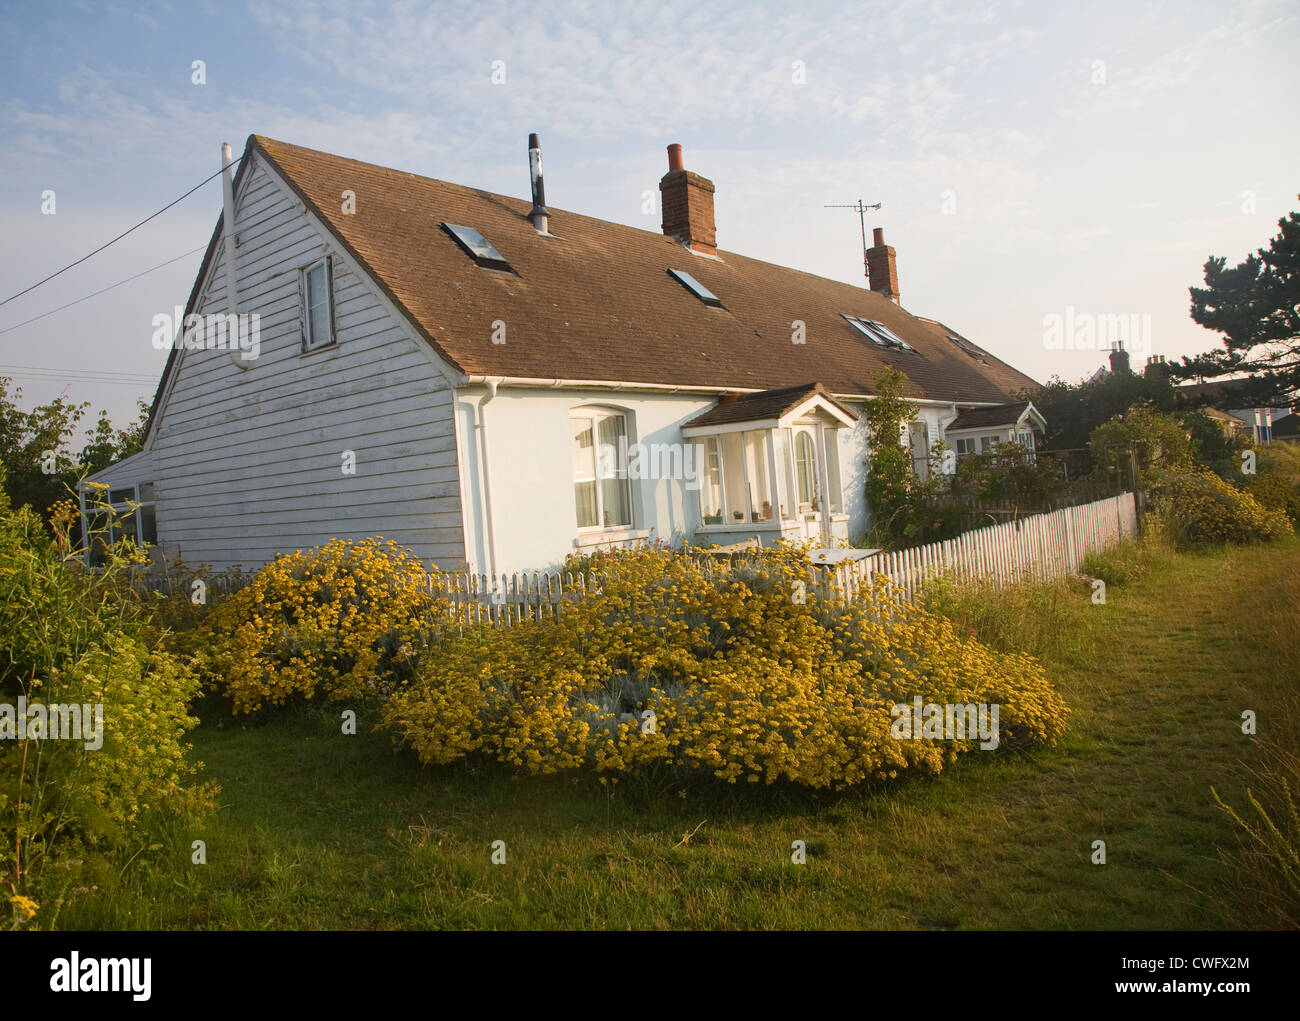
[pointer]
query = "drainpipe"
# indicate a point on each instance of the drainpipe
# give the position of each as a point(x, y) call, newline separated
point(228, 230)
point(487, 474)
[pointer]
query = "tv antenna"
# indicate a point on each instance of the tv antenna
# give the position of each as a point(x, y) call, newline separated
point(861, 208)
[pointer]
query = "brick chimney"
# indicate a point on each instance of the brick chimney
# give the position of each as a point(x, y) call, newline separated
point(882, 270)
point(687, 202)
point(1156, 366)
point(1119, 361)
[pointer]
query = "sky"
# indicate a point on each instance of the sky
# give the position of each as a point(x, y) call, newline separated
point(1032, 159)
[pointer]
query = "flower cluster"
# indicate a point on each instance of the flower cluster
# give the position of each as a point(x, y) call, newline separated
point(1198, 509)
point(754, 672)
point(346, 618)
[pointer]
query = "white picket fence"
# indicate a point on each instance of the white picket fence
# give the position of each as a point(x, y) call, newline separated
point(1042, 546)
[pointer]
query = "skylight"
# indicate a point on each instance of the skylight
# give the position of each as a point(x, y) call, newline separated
point(696, 288)
point(967, 347)
point(879, 334)
point(476, 246)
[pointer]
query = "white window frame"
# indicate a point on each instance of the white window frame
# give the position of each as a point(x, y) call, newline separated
point(879, 334)
point(310, 343)
point(595, 415)
point(133, 505)
point(824, 441)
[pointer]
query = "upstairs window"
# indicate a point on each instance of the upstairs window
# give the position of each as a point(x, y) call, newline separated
point(317, 305)
point(696, 288)
point(879, 334)
point(477, 247)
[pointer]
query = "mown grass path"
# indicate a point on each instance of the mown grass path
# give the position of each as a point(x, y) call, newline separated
point(321, 830)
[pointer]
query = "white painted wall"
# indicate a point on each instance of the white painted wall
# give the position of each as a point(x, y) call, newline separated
point(248, 463)
point(530, 444)
point(529, 438)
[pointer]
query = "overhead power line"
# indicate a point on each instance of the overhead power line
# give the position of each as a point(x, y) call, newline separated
point(73, 378)
point(132, 377)
point(95, 294)
point(27, 290)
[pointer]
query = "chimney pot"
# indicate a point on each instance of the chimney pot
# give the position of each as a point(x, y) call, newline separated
point(675, 157)
point(878, 236)
point(539, 214)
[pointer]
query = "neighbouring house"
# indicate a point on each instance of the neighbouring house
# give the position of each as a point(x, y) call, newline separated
point(978, 429)
point(1285, 429)
point(1257, 423)
point(497, 384)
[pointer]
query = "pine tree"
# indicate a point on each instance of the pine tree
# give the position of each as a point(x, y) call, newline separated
point(1255, 305)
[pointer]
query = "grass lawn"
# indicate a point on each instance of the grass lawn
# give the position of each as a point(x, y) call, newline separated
point(322, 830)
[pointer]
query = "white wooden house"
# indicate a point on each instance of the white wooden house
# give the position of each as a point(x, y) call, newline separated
point(496, 383)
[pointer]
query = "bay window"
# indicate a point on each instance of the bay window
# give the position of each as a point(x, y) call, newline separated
point(768, 476)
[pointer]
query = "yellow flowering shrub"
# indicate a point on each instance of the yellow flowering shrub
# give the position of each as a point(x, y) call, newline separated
point(1198, 508)
point(346, 618)
point(753, 672)
point(1276, 482)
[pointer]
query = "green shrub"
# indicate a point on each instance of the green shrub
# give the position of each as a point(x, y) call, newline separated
point(73, 637)
point(1160, 439)
point(1198, 508)
point(1276, 482)
point(1125, 563)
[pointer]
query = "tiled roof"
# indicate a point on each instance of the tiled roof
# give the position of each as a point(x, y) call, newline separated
point(597, 302)
point(1221, 391)
point(765, 404)
point(989, 418)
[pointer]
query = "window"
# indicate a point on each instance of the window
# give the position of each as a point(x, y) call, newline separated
point(317, 306)
point(601, 492)
point(989, 442)
point(1025, 437)
point(879, 334)
point(477, 247)
point(132, 518)
point(696, 288)
point(784, 475)
point(834, 500)
point(756, 473)
point(805, 467)
point(711, 491)
point(964, 445)
point(733, 480)
point(967, 347)
point(739, 488)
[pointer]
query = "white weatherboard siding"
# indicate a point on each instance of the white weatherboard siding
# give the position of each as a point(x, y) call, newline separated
point(248, 464)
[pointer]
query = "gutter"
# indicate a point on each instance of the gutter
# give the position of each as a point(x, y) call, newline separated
point(672, 388)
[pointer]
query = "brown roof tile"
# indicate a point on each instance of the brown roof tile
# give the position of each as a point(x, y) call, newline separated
point(597, 302)
point(763, 405)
